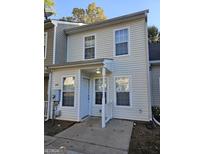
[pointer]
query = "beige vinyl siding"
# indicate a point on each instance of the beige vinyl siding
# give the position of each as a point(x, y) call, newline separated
point(155, 89)
point(67, 113)
point(134, 65)
point(49, 53)
point(61, 49)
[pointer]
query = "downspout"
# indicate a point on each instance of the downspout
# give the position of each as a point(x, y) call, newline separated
point(148, 66)
point(49, 96)
point(54, 40)
point(157, 122)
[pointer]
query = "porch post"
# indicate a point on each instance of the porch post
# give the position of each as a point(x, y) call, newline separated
point(103, 97)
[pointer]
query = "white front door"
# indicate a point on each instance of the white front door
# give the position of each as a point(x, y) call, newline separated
point(85, 98)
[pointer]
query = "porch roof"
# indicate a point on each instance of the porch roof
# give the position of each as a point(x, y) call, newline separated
point(79, 63)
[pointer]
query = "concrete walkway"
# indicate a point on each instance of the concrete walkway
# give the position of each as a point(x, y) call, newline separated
point(89, 138)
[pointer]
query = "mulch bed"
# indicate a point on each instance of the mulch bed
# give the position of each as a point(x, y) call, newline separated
point(145, 139)
point(58, 126)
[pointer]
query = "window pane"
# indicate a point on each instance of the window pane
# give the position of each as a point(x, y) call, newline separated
point(89, 41)
point(98, 98)
point(123, 98)
point(121, 36)
point(89, 53)
point(68, 99)
point(122, 48)
point(99, 83)
point(117, 37)
point(69, 84)
point(122, 84)
point(125, 36)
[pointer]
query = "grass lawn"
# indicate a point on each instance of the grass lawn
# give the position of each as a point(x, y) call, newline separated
point(52, 129)
point(144, 140)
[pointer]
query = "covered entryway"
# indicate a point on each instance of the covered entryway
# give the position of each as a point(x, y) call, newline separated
point(98, 99)
point(77, 84)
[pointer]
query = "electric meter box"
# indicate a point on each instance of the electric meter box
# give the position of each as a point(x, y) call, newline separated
point(56, 95)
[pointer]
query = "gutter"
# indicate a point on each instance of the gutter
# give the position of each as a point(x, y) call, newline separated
point(76, 65)
point(81, 63)
point(69, 23)
point(157, 122)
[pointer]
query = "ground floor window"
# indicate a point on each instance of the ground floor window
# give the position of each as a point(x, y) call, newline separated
point(122, 91)
point(98, 91)
point(68, 91)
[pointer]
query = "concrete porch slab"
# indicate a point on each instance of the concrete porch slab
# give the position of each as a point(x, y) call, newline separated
point(89, 135)
point(48, 140)
point(83, 147)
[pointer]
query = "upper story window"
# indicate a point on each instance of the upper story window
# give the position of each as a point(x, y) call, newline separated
point(89, 47)
point(121, 42)
point(45, 44)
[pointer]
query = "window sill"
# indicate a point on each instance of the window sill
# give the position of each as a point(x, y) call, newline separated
point(121, 106)
point(125, 55)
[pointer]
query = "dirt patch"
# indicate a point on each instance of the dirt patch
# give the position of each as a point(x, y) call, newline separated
point(144, 139)
point(52, 129)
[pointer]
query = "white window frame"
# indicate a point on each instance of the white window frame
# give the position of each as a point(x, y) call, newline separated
point(94, 90)
point(114, 45)
point(94, 34)
point(75, 91)
point(130, 91)
point(46, 44)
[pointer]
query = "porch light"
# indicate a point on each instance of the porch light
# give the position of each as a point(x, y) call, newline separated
point(98, 71)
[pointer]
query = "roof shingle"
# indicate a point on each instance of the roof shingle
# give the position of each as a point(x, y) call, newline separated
point(154, 51)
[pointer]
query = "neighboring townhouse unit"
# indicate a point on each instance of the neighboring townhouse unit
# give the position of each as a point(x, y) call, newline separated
point(154, 57)
point(106, 72)
point(54, 46)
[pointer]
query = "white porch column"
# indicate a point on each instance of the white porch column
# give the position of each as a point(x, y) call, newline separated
point(103, 97)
